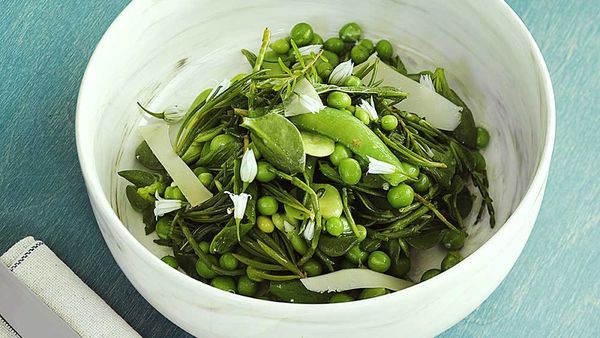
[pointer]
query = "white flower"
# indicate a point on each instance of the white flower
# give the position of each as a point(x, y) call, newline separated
point(173, 114)
point(287, 227)
point(369, 107)
point(304, 100)
point(309, 230)
point(164, 206)
point(311, 104)
point(310, 49)
point(380, 167)
point(219, 89)
point(239, 205)
point(341, 73)
point(385, 186)
point(248, 167)
point(425, 80)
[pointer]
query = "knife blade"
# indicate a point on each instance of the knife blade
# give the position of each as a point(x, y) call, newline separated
point(26, 313)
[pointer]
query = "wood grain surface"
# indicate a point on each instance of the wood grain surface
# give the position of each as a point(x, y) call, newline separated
point(553, 290)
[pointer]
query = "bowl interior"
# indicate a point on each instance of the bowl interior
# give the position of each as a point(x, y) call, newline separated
point(173, 50)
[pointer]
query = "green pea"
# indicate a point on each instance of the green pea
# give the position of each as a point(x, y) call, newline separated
point(335, 45)
point(339, 153)
point(451, 259)
point(171, 261)
point(264, 173)
point(356, 256)
point(430, 274)
point(316, 40)
point(224, 283)
point(384, 49)
point(204, 270)
point(371, 293)
point(362, 115)
point(345, 110)
point(400, 267)
point(246, 286)
point(205, 178)
point(368, 45)
point(164, 227)
point(334, 226)
point(400, 196)
point(331, 58)
point(340, 298)
point(379, 261)
point(362, 232)
point(221, 140)
point(478, 161)
point(350, 32)
point(483, 137)
point(278, 220)
point(267, 205)
point(312, 268)
point(411, 169)
point(353, 81)
point(174, 193)
point(324, 69)
point(359, 54)
point(302, 34)
point(200, 170)
point(422, 184)
point(280, 46)
point(265, 224)
point(338, 100)
point(298, 243)
point(351, 108)
point(453, 240)
point(271, 56)
point(389, 122)
point(228, 262)
point(350, 171)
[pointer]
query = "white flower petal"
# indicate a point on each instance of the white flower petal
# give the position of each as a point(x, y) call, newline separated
point(425, 80)
point(307, 50)
point(248, 167)
point(341, 73)
point(304, 100)
point(380, 167)
point(173, 114)
point(369, 107)
point(218, 89)
point(287, 227)
point(164, 206)
point(309, 230)
point(239, 204)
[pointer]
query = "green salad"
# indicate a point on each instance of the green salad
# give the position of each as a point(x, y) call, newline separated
point(315, 176)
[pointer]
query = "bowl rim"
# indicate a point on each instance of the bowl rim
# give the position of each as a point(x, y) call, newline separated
point(96, 194)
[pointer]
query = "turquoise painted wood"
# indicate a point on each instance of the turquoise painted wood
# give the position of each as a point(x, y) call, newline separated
point(553, 290)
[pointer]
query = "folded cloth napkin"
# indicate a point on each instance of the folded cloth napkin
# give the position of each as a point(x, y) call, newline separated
point(57, 286)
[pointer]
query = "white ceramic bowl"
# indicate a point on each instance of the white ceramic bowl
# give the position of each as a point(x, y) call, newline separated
point(165, 52)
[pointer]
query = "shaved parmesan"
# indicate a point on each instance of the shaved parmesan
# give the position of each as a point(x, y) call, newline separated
point(157, 137)
point(349, 279)
point(435, 108)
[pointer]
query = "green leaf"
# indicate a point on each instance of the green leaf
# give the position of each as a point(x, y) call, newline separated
point(217, 157)
point(295, 292)
point(137, 202)
point(139, 178)
point(149, 220)
point(425, 240)
point(227, 237)
point(278, 140)
point(336, 246)
point(443, 175)
point(251, 57)
point(146, 157)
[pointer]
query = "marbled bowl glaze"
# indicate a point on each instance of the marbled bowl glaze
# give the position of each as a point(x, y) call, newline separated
point(165, 52)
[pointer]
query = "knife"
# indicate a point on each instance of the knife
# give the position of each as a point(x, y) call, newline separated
point(26, 313)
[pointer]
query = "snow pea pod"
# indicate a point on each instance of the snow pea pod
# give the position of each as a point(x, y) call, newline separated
point(355, 135)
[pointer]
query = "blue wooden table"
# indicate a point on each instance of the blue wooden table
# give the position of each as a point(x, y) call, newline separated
point(553, 290)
